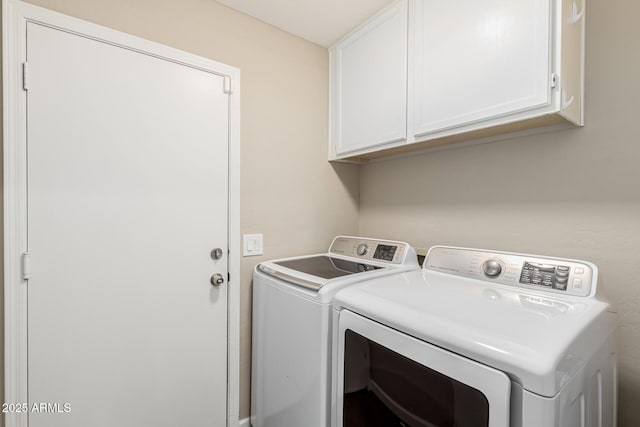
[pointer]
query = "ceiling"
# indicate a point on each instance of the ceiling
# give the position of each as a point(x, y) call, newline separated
point(320, 21)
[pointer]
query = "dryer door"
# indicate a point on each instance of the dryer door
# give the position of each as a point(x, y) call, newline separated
point(387, 378)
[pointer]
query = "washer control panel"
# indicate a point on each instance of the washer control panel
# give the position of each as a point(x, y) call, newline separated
point(568, 277)
point(370, 249)
point(550, 275)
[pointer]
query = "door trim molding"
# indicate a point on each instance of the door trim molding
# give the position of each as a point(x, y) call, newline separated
point(16, 14)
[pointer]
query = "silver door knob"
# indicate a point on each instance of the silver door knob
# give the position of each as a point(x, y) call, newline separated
point(216, 253)
point(217, 279)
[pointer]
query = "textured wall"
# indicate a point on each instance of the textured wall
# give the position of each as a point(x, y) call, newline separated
point(289, 191)
point(574, 193)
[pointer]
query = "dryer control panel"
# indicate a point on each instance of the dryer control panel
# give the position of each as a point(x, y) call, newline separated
point(371, 249)
point(568, 277)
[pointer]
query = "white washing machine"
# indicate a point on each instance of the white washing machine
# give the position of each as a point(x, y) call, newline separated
point(477, 339)
point(292, 335)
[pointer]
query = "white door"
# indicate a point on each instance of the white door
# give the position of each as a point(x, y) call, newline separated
point(476, 60)
point(127, 196)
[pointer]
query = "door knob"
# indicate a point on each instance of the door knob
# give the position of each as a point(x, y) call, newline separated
point(216, 253)
point(217, 279)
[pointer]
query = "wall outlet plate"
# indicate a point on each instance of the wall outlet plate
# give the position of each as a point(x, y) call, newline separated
point(252, 244)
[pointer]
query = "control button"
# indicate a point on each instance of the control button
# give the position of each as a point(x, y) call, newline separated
point(562, 273)
point(362, 249)
point(579, 270)
point(562, 268)
point(577, 283)
point(492, 268)
point(560, 286)
point(561, 279)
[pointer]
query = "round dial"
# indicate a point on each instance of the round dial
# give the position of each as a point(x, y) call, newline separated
point(362, 249)
point(492, 268)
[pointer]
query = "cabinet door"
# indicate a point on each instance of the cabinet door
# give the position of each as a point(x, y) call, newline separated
point(476, 61)
point(369, 84)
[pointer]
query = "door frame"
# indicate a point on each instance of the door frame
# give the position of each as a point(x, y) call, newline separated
point(15, 16)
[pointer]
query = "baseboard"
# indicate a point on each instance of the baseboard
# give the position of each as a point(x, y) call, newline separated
point(244, 422)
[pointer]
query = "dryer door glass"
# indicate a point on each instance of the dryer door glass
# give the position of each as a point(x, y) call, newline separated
point(384, 388)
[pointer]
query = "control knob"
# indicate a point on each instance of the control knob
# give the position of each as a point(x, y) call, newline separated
point(492, 268)
point(362, 249)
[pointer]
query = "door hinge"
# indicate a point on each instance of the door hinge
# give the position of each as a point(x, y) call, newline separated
point(25, 76)
point(26, 266)
point(227, 85)
point(554, 80)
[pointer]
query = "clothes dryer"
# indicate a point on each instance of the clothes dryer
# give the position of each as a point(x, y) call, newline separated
point(477, 339)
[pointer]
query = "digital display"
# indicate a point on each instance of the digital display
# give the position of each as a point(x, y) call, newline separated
point(385, 252)
point(548, 275)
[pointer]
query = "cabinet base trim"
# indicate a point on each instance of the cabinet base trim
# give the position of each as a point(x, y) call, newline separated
point(543, 124)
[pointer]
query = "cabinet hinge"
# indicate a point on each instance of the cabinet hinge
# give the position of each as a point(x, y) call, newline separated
point(554, 80)
point(26, 266)
point(25, 76)
point(227, 85)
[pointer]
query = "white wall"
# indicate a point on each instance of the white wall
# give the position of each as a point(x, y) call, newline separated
point(574, 193)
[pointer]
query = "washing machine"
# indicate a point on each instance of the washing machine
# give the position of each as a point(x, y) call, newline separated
point(292, 325)
point(477, 338)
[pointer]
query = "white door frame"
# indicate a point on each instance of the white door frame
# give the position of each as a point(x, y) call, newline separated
point(16, 14)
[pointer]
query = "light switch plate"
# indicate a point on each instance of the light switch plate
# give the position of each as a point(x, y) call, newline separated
point(252, 244)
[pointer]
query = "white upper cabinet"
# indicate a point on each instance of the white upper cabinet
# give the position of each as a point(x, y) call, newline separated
point(472, 71)
point(369, 84)
point(476, 60)
point(571, 45)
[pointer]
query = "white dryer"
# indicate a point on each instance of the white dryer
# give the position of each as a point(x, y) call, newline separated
point(292, 326)
point(477, 339)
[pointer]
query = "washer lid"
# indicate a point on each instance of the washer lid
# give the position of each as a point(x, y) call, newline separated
point(540, 341)
point(314, 272)
point(326, 266)
point(350, 259)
